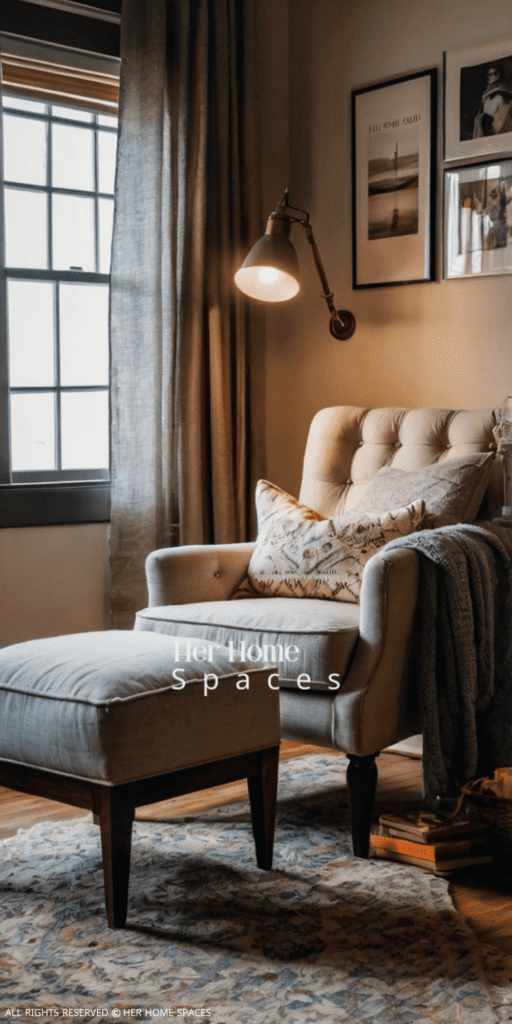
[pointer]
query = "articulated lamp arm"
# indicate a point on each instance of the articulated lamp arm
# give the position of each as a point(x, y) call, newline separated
point(270, 271)
point(343, 324)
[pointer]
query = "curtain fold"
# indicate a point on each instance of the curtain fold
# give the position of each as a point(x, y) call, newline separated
point(184, 450)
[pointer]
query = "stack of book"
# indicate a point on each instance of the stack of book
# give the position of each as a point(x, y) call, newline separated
point(435, 844)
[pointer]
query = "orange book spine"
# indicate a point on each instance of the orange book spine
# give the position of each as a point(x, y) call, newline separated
point(429, 865)
point(422, 850)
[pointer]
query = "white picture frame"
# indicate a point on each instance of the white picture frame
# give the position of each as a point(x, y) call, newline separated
point(478, 220)
point(478, 114)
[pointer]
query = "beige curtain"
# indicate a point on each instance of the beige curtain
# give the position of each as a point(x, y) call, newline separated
point(184, 430)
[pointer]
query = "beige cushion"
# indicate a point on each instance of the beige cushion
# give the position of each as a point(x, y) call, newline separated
point(103, 705)
point(347, 446)
point(298, 553)
point(323, 634)
point(452, 490)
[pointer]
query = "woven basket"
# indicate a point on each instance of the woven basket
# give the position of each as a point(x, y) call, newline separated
point(495, 811)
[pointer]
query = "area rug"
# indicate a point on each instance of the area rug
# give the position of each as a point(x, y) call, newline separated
point(323, 937)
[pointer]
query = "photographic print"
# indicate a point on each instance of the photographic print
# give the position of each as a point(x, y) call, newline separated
point(478, 220)
point(478, 100)
point(393, 184)
point(393, 181)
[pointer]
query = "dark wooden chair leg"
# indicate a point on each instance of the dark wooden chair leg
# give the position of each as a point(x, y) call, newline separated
point(262, 795)
point(361, 784)
point(116, 820)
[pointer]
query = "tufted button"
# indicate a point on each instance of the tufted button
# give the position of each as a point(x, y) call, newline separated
point(447, 445)
point(398, 444)
point(361, 444)
point(350, 482)
point(217, 574)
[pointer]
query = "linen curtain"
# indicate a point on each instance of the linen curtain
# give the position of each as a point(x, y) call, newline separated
point(184, 446)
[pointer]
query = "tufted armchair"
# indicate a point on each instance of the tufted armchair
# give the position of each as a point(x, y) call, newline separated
point(367, 645)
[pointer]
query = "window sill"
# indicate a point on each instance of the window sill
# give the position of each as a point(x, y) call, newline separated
point(54, 504)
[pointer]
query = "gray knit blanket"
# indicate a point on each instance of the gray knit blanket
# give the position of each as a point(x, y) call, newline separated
point(463, 654)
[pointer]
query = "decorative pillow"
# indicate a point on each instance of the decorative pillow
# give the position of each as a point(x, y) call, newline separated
point(298, 553)
point(452, 490)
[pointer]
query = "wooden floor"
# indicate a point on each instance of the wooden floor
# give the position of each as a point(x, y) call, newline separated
point(481, 894)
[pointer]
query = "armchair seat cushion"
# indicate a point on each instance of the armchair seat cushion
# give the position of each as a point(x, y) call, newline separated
point(318, 636)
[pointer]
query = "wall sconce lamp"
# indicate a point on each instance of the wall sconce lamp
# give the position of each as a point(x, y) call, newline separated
point(271, 270)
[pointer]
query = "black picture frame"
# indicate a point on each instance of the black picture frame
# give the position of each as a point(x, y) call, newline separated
point(394, 181)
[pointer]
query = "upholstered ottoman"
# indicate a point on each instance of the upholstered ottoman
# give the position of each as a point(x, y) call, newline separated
point(115, 720)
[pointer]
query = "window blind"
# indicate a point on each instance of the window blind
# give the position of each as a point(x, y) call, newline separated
point(59, 83)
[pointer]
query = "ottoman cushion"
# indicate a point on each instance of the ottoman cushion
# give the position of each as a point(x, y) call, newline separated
point(106, 707)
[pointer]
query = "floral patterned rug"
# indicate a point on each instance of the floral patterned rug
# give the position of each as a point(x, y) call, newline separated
point(322, 937)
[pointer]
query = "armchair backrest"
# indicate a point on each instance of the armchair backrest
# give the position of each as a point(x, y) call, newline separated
point(347, 445)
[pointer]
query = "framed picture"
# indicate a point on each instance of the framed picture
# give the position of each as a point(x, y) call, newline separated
point(478, 100)
point(478, 219)
point(394, 181)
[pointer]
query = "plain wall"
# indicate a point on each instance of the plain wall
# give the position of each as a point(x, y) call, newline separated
point(54, 581)
point(440, 344)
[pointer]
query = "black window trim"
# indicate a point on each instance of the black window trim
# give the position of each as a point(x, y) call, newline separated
point(70, 28)
point(54, 504)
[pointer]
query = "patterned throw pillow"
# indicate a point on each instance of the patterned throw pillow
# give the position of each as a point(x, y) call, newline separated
point(452, 490)
point(298, 553)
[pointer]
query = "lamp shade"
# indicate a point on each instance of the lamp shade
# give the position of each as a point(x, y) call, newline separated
point(271, 270)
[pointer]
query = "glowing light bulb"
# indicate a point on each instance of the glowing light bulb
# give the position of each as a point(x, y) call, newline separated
point(268, 275)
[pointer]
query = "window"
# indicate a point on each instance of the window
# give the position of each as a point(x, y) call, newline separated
point(58, 169)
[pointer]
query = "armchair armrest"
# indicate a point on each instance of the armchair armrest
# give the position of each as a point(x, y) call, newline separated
point(377, 705)
point(199, 572)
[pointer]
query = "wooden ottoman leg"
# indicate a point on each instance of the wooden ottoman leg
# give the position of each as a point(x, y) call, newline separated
point(116, 820)
point(262, 795)
point(361, 784)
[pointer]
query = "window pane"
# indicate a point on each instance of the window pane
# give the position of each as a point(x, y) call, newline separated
point(72, 157)
point(71, 112)
point(108, 120)
point(73, 233)
point(84, 419)
point(83, 334)
point(24, 150)
point(31, 357)
point(34, 106)
point(107, 145)
point(32, 432)
point(26, 229)
point(105, 217)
